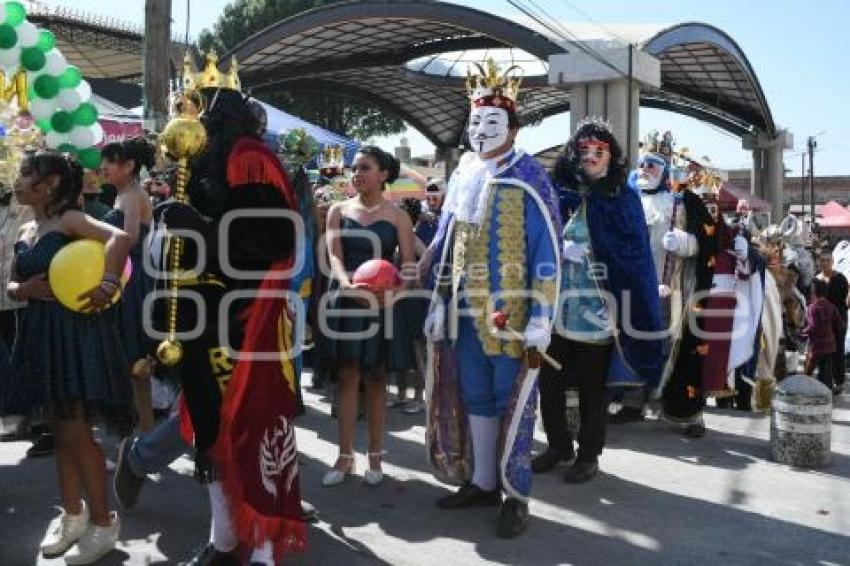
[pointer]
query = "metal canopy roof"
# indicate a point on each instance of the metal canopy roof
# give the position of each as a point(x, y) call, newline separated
point(366, 49)
point(100, 48)
point(706, 75)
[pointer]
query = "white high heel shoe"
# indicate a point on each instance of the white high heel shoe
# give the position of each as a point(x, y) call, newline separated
point(336, 477)
point(373, 477)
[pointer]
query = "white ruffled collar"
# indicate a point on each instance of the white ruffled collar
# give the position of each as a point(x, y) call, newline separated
point(468, 189)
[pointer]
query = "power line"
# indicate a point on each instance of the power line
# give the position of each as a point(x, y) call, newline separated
point(584, 46)
point(596, 23)
point(563, 34)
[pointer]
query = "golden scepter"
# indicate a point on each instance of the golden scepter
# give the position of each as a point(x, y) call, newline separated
point(184, 138)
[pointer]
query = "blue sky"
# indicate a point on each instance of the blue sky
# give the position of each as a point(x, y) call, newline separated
point(797, 48)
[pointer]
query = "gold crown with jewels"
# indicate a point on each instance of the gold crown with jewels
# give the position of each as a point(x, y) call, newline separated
point(210, 76)
point(489, 87)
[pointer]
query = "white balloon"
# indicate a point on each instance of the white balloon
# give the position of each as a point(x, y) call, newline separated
point(10, 59)
point(97, 131)
point(2, 11)
point(84, 90)
point(27, 34)
point(68, 99)
point(82, 136)
point(55, 139)
point(42, 109)
point(56, 64)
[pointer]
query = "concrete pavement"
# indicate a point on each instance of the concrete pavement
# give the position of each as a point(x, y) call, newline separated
point(660, 498)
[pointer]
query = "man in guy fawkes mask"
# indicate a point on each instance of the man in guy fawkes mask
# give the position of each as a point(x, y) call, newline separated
point(495, 252)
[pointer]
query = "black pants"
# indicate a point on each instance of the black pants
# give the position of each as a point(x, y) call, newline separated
point(838, 368)
point(823, 363)
point(585, 368)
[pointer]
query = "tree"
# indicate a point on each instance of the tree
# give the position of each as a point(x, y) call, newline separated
point(157, 42)
point(345, 115)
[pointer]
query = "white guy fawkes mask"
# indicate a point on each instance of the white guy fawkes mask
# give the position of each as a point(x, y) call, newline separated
point(488, 128)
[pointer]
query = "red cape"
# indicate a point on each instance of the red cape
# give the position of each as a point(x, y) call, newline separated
point(255, 453)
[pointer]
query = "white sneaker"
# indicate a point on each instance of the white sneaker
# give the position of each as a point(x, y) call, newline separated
point(96, 543)
point(63, 532)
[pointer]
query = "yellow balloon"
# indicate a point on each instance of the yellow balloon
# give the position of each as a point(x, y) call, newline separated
point(76, 268)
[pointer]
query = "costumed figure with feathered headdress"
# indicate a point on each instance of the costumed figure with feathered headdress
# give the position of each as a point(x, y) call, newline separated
point(665, 213)
point(493, 268)
point(687, 271)
point(727, 339)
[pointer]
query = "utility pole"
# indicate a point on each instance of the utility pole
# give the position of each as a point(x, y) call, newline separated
point(156, 65)
point(803, 185)
point(812, 144)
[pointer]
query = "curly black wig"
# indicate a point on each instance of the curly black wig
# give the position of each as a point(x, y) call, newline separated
point(568, 172)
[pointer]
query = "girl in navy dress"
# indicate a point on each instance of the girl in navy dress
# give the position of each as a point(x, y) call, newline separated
point(361, 228)
point(132, 213)
point(70, 364)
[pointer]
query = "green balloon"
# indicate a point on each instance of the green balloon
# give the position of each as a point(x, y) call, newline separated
point(31, 93)
point(15, 13)
point(62, 122)
point(67, 148)
point(33, 59)
point(89, 158)
point(8, 36)
point(71, 78)
point(85, 114)
point(46, 40)
point(44, 125)
point(46, 86)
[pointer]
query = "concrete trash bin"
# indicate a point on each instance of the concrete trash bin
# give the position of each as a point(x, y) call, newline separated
point(800, 422)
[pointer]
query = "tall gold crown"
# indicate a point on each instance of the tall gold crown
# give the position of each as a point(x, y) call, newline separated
point(210, 77)
point(332, 154)
point(490, 83)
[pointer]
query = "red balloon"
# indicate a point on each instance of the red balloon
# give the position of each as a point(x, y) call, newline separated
point(378, 274)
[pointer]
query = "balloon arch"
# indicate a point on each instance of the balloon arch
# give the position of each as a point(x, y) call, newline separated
point(52, 91)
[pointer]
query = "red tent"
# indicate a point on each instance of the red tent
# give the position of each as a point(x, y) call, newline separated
point(730, 195)
point(833, 215)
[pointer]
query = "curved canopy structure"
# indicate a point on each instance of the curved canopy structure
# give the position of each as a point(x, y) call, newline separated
point(101, 48)
point(706, 75)
point(409, 56)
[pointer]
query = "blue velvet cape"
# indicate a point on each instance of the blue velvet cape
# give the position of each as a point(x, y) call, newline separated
point(620, 240)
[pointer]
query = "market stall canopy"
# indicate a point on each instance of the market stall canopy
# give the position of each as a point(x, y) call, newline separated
point(410, 184)
point(109, 110)
point(280, 122)
point(118, 123)
point(833, 215)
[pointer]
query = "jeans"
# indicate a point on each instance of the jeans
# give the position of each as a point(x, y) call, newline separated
point(155, 449)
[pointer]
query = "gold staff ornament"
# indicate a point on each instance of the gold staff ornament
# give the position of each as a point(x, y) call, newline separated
point(184, 138)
